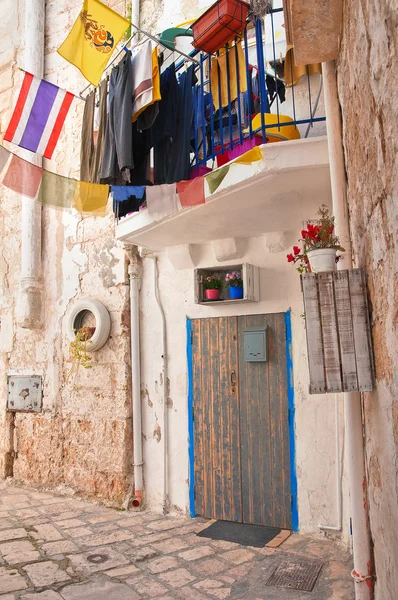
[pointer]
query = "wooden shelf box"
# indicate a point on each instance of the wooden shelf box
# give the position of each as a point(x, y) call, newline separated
point(339, 343)
point(251, 284)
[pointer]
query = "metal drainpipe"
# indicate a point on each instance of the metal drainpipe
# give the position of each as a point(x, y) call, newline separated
point(339, 491)
point(135, 276)
point(135, 12)
point(147, 254)
point(363, 564)
point(30, 297)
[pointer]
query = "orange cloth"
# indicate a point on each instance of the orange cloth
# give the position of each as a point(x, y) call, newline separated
point(191, 192)
point(235, 53)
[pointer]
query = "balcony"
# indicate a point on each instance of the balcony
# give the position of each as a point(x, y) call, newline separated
point(270, 103)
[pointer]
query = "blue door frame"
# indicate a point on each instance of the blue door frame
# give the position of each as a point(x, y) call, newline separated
point(290, 388)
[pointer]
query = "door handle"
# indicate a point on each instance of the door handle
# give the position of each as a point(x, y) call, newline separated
point(233, 378)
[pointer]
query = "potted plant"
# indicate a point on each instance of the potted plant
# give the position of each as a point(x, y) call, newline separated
point(212, 286)
point(235, 283)
point(320, 245)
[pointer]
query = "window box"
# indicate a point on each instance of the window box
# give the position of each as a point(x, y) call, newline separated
point(251, 284)
point(219, 24)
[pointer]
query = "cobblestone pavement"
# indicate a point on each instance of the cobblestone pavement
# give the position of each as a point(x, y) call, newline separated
point(61, 548)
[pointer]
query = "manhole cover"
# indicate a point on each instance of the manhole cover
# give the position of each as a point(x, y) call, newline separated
point(300, 575)
point(97, 558)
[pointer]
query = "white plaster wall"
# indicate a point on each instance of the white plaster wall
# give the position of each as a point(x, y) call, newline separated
point(83, 437)
point(314, 423)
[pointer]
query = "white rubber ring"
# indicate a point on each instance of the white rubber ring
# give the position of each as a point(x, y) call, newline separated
point(102, 322)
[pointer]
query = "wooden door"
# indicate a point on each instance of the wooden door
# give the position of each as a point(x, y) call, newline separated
point(241, 432)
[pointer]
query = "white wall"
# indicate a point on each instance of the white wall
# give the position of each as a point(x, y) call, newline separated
point(315, 436)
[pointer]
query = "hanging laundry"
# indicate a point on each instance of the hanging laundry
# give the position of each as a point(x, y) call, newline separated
point(90, 198)
point(146, 92)
point(215, 178)
point(39, 115)
point(100, 141)
point(94, 36)
point(142, 79)
point(127, 199)
point(228, 67)
point(162, 201)
point(293, 72)
point(56, 191)
point(87, 138)
point(172, 156)
point(23, 177)
point(274, 88)
point(117, 159)
point(191, 192)
point(4, 156)
point(165, 125)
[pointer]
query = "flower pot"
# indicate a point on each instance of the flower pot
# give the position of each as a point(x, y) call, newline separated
point(236, 293)
point(322, 260)
point(219, 24)
point(212, 294)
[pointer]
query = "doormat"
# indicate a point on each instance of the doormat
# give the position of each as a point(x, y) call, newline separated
point(240, 533)
point(296, 575)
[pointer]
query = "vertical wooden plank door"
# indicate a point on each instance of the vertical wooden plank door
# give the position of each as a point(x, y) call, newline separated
point(216, 418)
point(241, 432)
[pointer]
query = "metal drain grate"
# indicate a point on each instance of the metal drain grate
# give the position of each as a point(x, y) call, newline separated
point(300, 575)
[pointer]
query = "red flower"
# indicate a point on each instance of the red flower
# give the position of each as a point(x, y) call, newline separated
point(296, 250)
point(304, 234)
point(331, 229)
point(290, 257)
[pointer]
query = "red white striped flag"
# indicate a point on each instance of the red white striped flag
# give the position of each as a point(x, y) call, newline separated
point(38, 116)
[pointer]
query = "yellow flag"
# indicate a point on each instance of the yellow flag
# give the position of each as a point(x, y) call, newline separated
point(91, 198)
point(250, 156)
point(93, 37)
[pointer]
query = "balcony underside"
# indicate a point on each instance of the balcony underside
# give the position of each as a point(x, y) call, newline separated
point(275, 194)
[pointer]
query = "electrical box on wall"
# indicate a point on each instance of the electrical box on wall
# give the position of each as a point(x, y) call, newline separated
point(24, 393)
point(256, 347)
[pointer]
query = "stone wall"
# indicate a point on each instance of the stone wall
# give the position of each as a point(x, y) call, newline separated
point(83, 437)
point(367, 76)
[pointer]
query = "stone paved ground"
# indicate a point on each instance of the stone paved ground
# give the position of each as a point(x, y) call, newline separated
point(62, 548)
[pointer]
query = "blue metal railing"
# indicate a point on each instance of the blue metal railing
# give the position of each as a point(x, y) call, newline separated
point(217, 130)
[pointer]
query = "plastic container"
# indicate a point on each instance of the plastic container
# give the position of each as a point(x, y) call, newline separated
point(219, 24)
point(322, 260)
point(236, 293)
point(212, 294)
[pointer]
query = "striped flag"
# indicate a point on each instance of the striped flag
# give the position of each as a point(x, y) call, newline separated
point(38, 116)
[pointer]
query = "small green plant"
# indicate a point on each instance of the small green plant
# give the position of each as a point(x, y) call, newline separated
point(211, 282)
point(78, 354)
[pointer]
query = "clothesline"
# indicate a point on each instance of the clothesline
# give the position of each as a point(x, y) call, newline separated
point(149, 36)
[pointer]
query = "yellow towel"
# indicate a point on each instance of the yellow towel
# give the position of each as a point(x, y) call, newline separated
point(221, 62)
point(293, 72)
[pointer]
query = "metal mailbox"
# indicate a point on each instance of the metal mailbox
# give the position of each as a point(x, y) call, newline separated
point(255, 346)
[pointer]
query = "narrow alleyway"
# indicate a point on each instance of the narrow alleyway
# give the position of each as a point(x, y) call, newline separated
point(62, 548)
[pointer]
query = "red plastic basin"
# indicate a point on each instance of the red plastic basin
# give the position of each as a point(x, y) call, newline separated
point(219, 24)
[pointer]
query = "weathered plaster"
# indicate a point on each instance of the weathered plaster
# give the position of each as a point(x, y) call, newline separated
point(368, 70)
point(83, 438)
